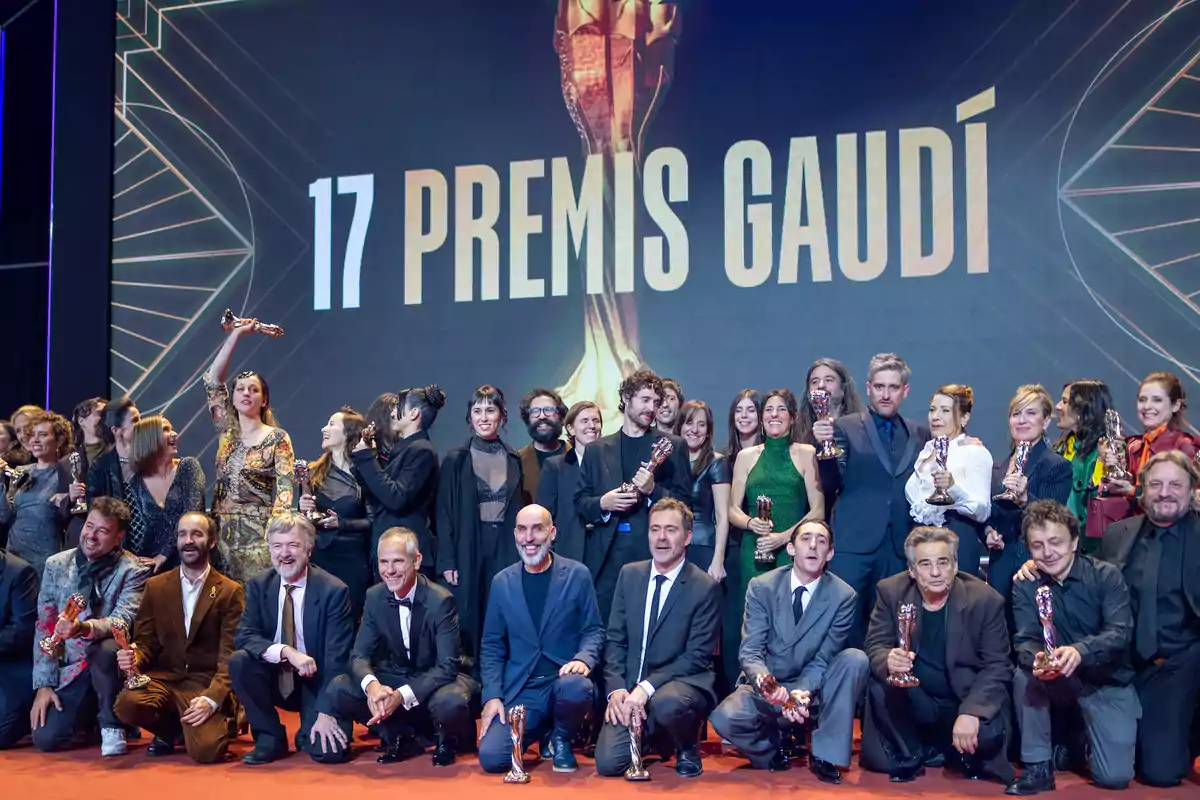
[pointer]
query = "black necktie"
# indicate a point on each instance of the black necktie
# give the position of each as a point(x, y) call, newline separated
point(797, 604)
point(659, 580)
point(1147, 619)
point(394, 603)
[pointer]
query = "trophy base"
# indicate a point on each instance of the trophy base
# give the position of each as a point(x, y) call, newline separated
point(1006, 498)
point(516, 777)
point(905, 681)
point(829, 450)
point(637, 774)
point(940, 497)
point(51, 647)
point(1046, 665)
point(134, 682)
point(80, 507)
point(766, 563)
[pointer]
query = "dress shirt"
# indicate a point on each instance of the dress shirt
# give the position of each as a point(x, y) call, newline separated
point(672, 577)
point(410, 699)
point(809, 587)
point(274, 653)
point(971, 465)
point(191, 593)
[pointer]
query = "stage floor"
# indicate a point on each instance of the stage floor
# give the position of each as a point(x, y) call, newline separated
point(25, 773)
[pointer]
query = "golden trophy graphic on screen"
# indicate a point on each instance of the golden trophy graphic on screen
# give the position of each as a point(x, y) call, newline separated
point(617, 59)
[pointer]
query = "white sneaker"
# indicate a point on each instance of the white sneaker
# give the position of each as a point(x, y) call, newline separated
point(112, 742)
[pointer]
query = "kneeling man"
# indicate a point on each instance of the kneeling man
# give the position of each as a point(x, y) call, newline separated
point(796, 624)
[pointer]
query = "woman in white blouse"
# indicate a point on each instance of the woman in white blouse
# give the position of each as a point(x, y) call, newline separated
point(967, 477)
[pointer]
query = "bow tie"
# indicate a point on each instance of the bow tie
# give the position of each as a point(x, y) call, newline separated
point(394, 603)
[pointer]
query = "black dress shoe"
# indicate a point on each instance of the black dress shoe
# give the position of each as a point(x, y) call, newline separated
point(779, 762)
point(400, 749)
point(970, 768)
point(443, 755)
point(934, 758)
point(159, 747)
point(545, 749)
point(825, 772)
point(1037, 777)
point(907, 774)
point(261, 755)
point(688, 763)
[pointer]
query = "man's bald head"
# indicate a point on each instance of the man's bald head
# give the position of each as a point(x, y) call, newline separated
point(534, 534)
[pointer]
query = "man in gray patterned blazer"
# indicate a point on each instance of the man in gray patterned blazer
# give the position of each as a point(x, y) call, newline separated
point(797, 620)
point(84, 679)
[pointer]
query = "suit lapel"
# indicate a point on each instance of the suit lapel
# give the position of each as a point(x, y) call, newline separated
point(172, 596)
point(872, 432)
point(669, 603)
point(389, 621)
point(905, 464)
point(271, 623)
point(637, 607)
point(816, 606)
point(558, 584)
point(417, 619)
point(784, 626)
point(208, 596)
point(955, 608)
point(313, 624)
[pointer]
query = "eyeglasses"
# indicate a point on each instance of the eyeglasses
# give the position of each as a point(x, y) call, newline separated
point(543, 411)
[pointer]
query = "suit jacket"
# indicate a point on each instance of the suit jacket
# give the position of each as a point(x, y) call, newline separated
point(432, 633)
point(796, 654)
point(404, 491)
point(122, 593)
point(681, 645)
point(977, 643)
point(869, 484)
point(168, 653)
point(570, 628)
point(1049, 476)
point(556, 493)
point(602, 472)
point(1118, 543)
point(531, 472)
point(18, 615)
point(328, 627)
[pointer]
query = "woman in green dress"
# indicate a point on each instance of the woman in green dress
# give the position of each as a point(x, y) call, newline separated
point(783, 470)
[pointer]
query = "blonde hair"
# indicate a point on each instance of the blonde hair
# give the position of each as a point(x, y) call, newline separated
point(1028, 395)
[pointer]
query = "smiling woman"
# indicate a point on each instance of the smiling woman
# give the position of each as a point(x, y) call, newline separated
point(161, 490)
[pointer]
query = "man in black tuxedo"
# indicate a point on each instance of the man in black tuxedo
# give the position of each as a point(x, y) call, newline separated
point(18, 614)
point(871, 514)
point(294, 638)
point(1159, 556)
point(406, 667)
point(620, 519)
point(664, 627)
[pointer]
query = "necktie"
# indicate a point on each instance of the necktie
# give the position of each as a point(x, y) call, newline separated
point(888, 430)
point(1147, 619)
point(287, 679)
point(798, 604)
point(655, 602)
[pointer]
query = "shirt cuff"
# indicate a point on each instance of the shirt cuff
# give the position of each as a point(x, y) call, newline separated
point(211, 702)
point(410, 699)
point(647, 688)
point(273, 654)
point(606, 516)
point(367, 681)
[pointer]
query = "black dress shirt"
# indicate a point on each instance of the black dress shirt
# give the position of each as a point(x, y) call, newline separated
point(1178, 628)
point(930, 664)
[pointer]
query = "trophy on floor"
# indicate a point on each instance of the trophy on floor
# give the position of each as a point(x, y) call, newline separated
point(819, 398)
point(52, 645)
point(941, 451)
point(1116, 446)
point(301, 472)
point(658, 454)
point(1019, 462)
point(80, 506)
point(368, 435)
point(767, 685)
point(637, 769)
point(906, 626)
point(516, 730)
point(229, 322)
point(765, 559)
point(1045, 661)
point(120, 633)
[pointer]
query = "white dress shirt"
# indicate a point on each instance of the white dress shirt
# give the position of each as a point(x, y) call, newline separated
point(273, 654)
point(971, 464)
point(672, 577)
point(410, 699)
point(191, 594)
point(809, 588)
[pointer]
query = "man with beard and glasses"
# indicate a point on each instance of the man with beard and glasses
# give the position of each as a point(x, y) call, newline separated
point(1159, 555)
point(543, 412)
point(406, 667)
point(294, 638)
point(182, 640)
point(620, 519)
point(84, 681)
point(542, 638)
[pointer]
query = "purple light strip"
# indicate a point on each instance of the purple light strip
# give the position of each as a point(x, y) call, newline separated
point(50, 250)
point(3, 42)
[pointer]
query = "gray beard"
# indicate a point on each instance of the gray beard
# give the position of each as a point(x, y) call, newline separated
point(536, 558)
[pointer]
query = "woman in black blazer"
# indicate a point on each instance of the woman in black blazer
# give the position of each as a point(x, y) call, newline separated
point(1046, 476)
point(479, 495)
point(560, 477)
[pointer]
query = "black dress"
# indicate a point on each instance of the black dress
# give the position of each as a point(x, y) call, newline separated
point(345, 550)
point(152, 527)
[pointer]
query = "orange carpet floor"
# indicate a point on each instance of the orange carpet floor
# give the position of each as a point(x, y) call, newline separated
point(25, 773)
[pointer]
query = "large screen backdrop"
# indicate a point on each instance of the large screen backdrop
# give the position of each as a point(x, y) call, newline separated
point(540, 193)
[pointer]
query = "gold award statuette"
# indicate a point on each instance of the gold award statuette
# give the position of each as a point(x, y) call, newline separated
point(1116, 446)
point(941, 451)
point(906, 626)
point(52, 645)
point(765, 558)
point(637, 769)
point(820, 403)
point(516, 730)
point(658, 454)
point(1045, 611)
point(1019, 462)
point(80, 506)
point(797, 698)
point(229, 322)
point(120, 633)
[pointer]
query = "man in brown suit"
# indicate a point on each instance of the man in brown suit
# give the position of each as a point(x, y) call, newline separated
point(183, 637)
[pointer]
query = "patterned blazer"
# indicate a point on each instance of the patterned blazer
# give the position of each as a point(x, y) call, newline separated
point(121, 592)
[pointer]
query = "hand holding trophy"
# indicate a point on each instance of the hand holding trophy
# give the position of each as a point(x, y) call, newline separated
point(229, 322)
point(658, 454)
point(80, 506)
point(1019, 461)
point(767, 686)
point(941, 451)
point(906, 626)
point(120, 633)
point(516, 730)
point(303, 475)
point(763, 558)
point(819, 398)
point(368, 436)
point(1116, 471)
point(637, 768)
point(1045, 662)
point(52, 645)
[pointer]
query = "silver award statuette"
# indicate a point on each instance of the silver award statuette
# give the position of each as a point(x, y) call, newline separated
point(941, 451)
point(906, 626)
point(765, 559)
point(819, 398)
point(303, 476)
point(1019, 462)
point(516, 730)
point(637, 769)
point(658, 454)
point(80, 506)
point(1045, 611)
point(1116, 446)
point(229, 322)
